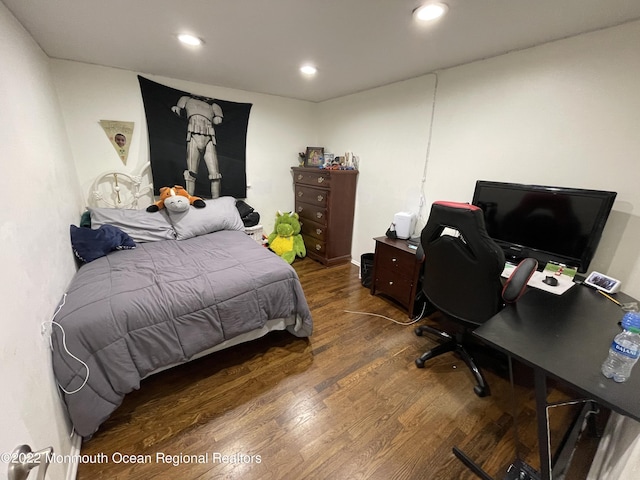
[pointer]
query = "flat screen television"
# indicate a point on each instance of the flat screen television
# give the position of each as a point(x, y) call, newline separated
point(556, 224)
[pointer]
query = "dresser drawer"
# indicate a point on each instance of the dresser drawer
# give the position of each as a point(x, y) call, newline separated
point(313, 229)
point(314, 213)
point(313, 196)
point(314, 245)
point(317, 178)
point(393, 259)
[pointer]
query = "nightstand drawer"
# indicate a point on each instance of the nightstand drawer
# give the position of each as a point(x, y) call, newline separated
point(395, 285)
point(396, 260)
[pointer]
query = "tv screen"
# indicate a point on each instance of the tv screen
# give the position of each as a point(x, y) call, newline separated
point(557, 224)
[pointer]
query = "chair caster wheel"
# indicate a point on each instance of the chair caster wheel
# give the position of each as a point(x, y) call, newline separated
point(418, 332)
point(481, 391)
point(419, 363)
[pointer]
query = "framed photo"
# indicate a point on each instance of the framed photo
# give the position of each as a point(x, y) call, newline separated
point(314, 157)
point(328, 159)
point(603, 282)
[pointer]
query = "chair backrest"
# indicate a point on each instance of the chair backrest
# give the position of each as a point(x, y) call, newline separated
point(461, 271)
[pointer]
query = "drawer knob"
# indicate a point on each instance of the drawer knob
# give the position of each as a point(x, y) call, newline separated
point(320, 179)
point(390, 283)
point(320, 198)
point(300, 177)
point(318, 247)
point(319, 214)
point(394, 259)
point(318, 231)
point(300, 194)
point(300, 209)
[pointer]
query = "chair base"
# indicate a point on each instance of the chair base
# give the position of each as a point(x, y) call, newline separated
point(450, 343)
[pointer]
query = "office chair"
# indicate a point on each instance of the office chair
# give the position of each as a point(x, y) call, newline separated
point(462, 278)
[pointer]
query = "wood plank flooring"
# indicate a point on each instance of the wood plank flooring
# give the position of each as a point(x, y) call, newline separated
point(347, 403)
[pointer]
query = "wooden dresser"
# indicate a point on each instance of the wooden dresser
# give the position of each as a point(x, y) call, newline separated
point(325, 201)
point(396, 272)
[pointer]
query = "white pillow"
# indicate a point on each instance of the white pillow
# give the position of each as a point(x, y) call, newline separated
point(219, 214)
point(140, 225)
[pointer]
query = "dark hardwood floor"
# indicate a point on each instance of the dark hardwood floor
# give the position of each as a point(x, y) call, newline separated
point(347, 403)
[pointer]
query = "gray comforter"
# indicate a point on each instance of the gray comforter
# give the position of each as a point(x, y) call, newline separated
point(136, 311)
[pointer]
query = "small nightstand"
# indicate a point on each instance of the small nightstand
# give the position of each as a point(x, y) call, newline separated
point(396, 272)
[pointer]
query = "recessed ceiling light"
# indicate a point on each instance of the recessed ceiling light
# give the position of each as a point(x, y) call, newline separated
point(308, 69)
point(430, 11)
point(190, 40)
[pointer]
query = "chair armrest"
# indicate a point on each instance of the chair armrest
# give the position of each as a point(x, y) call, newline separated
point(420, 253)
point(517, 281)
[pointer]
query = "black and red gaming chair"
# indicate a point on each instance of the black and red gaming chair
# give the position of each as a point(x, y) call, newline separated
point(462, 278)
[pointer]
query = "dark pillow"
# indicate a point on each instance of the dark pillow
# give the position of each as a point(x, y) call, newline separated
point(251, 220)
point(249, 217)
point(244, 208)
point(90, 244)
point(85, 219)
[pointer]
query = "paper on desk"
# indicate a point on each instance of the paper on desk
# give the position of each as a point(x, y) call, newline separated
point(565, 282)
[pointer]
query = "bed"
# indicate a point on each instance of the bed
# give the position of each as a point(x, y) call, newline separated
point(193, 284)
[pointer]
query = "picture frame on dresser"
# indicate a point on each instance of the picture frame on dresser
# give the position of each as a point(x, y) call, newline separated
point(314, 157)
point(328, 159)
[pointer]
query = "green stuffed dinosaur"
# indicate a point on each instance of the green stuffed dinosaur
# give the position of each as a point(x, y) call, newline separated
point(286, 240)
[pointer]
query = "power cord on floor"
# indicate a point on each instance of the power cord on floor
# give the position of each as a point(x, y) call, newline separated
point(64, 345)
point(413, 320)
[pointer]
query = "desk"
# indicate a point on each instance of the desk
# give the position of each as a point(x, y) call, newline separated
point(567, 338)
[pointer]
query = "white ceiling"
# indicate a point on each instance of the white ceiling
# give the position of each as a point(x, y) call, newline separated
point(258, 45)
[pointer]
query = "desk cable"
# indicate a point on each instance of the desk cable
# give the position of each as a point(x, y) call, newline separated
point(413, 320)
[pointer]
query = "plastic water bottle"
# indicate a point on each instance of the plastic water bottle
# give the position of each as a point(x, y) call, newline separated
point(625, 349)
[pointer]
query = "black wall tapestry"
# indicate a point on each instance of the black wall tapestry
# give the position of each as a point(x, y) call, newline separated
point(195, 141)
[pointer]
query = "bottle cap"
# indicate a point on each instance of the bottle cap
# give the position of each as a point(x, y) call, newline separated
point(631, 320)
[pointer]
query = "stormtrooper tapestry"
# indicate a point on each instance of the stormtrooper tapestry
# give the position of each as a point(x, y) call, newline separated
point(194, 141)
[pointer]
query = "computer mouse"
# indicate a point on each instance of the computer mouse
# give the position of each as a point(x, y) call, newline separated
point(550, 280)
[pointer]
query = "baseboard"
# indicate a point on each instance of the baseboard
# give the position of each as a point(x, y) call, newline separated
point(76, 445)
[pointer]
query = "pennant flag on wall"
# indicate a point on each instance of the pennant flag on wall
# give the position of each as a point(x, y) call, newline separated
point(197, 142)
point(119, 134)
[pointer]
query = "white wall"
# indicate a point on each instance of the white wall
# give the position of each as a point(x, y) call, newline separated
point(388, 128)
point(278, 129)
point(565, 113)
point(618, 455)
point(43, 197)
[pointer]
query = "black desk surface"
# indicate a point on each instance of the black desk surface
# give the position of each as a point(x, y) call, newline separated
point(568, 336)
